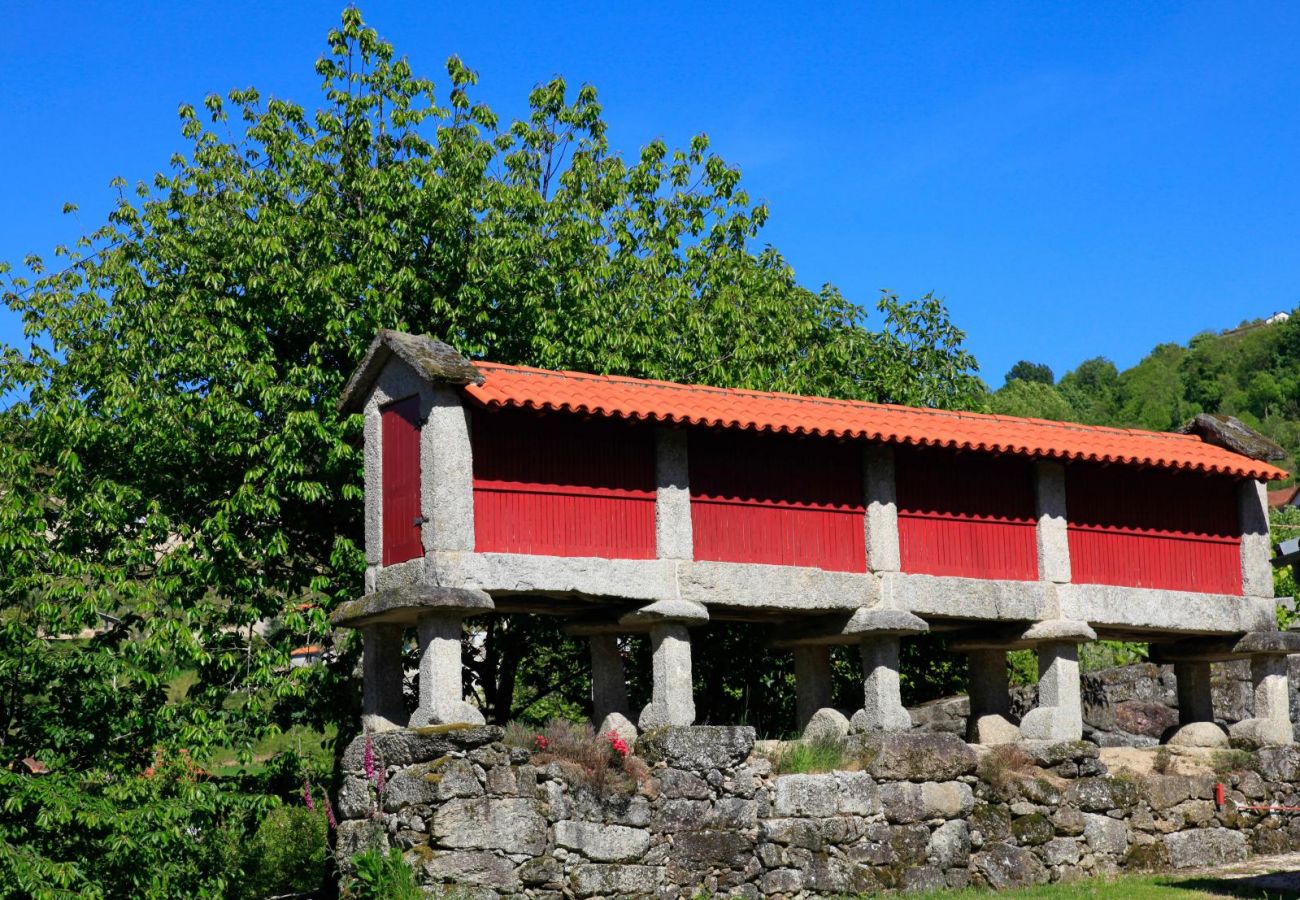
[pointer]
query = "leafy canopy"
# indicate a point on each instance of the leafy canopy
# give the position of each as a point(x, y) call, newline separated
point(177, 475)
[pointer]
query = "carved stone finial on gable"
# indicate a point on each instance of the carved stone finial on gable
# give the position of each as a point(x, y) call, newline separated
point(1233, 434)
point(430, 358)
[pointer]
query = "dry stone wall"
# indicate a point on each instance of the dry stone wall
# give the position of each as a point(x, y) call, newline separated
point(1125, 706)
point(922, 812)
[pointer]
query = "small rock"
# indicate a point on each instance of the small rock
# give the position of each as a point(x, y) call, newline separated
point(1105, 835)
point(949, 844)
point(826, 725)
point(1005, 866)
point(1060, 851)
point(1198, 734)
point(918, 757)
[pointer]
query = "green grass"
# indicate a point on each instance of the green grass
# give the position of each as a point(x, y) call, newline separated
point(1134, 887)
point(807, 757)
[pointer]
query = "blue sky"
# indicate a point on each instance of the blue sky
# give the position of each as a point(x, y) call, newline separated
point(1076, 179)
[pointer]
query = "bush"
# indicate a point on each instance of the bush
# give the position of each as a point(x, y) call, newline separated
point(287, 854)
point(382, 877)
point(603, 764)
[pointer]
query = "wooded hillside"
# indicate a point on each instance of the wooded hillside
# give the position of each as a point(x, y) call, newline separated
point(1251, 372)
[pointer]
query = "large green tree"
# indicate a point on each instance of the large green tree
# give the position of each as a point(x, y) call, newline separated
point(177, 473)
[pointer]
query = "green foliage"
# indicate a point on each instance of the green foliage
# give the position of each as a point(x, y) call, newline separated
point(286, 855)
point(176, 471)
point(381, 876)
point(1038, 373)
point(807, 757)
point(1031, 399)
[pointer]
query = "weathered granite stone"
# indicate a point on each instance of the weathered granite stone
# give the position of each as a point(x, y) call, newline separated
point(946, 799)
point(540, 870)
point(356, 798)
point(994, 729)
point(615, 880)
point(734, 812)
point(476, 867)
point(804, 833)
point(697, 748)
point(1052, 753)
point(1068, 820)
point(1198, 734)
point(826, 724)
point(1205, 847)
point(949, 844)
point(1145, 718)
point(675, 784)
point(713, 848)
point(918, 757)
point(991, 821)
point(1105, 835)
point(806, 795)
point(1032, 830)
point(858, 794)
point(681, 815)
point(1101, 794)
point(618, 724)
point(1164, 791)
point(419, 745)
point(1060, 851)
point(603, 843)
point(902, 801)
point(1004, 866)
point(515, 826)
point(1279, 763)
point(781, 881)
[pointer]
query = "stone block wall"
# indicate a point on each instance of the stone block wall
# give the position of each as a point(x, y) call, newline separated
point(1125, 706)
point(921, 812)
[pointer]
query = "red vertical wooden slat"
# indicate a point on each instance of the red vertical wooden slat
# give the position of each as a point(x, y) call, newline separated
point(1153, 528)
point(778, 499)
point(559, 485)
point(966, 515)
point(400, 440)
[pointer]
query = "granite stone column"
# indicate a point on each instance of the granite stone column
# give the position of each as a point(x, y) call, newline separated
point(878, 632)
point(1059, 714)
point(608, 682)
point(1195, 700)
point(812, 681)
point(382, 708)
point(672, 698)
point(442, 694)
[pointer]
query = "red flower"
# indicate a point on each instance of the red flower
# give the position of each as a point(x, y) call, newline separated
point(541, 742)
point(620, 746)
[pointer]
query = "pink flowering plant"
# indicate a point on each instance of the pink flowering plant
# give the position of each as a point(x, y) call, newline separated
point(604, 763)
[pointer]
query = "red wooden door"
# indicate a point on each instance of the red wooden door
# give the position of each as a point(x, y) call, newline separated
point(401, 478)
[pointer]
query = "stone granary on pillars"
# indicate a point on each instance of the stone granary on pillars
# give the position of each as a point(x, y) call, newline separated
point(628, 505)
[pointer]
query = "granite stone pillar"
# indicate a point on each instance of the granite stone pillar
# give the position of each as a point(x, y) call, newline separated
point(1195, 700)
point(812, 681)
point(382, 708)
point(882, 702)
point(608, 683)
point(1059, 714)
point(672, 697)
point(442, 697)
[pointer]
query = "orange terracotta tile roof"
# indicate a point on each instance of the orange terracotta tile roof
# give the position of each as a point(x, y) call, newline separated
point(662, 401)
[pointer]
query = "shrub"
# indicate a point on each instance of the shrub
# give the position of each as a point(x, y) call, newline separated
point(380, 876)
point(287, 854)
point(603, 763)
point(1000, 765)
point(1225, 762)
point(1162, 761)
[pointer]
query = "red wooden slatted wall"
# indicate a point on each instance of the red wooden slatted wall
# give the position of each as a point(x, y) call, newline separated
point(560, 485)
point(1156, 529)
point(770, 498)
point(966, 515)
point(400, 441)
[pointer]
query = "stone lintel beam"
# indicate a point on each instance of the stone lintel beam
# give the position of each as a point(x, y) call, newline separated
point(593, 624)
point(1222, 649)
point(408, 604)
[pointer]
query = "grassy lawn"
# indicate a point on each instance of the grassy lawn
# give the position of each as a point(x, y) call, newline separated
point(1145, 887)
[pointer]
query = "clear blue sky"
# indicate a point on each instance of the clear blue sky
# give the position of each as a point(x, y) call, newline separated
point(1077, 179)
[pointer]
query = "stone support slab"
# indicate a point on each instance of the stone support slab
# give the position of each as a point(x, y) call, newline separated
point(1053, 539)
point(442, 697)
point(882, 703)
point(1195, 700)
point(673, 534)
point(882, 509)
point(1256, 547)
point(382, 708)
point(1059, 714)
point(672, 698)
point(608, 683)
point(812, 682)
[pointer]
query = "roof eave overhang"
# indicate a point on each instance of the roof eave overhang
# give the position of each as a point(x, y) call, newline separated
point(431, 359)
